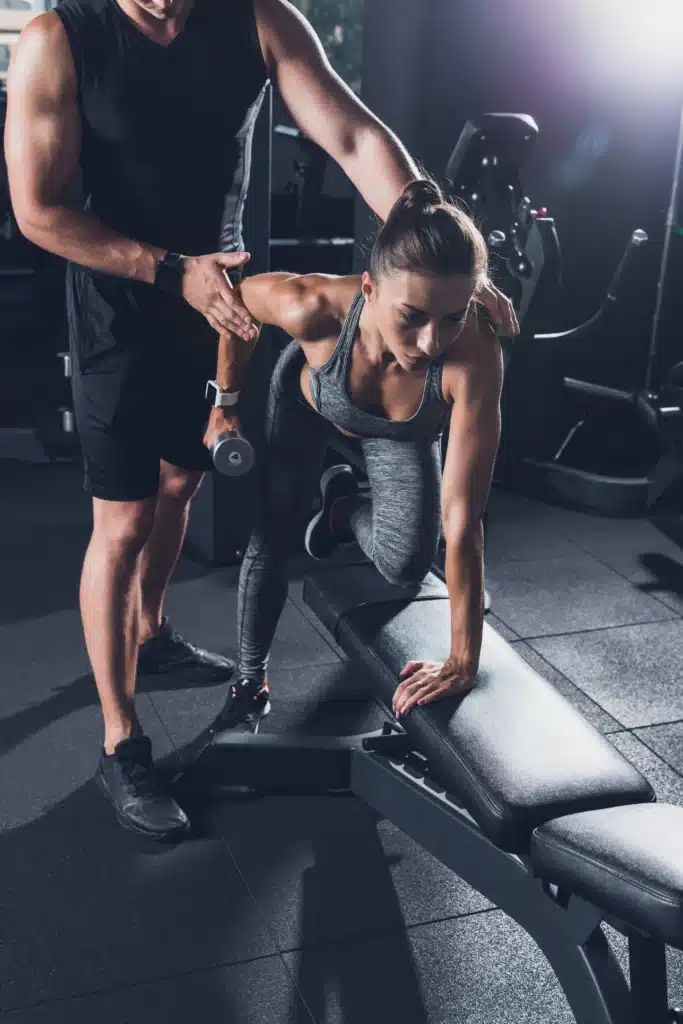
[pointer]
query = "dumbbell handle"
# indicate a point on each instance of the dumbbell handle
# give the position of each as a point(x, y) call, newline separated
point(232, 454)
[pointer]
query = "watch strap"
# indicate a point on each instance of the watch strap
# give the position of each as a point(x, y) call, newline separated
point(220, 397)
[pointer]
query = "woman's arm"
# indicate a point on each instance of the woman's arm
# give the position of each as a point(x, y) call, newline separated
point(473, 438)
point(304, 306)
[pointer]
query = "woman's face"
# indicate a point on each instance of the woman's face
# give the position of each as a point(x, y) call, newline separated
point(419, 315)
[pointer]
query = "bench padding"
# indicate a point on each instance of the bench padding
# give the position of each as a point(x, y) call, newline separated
point(627, 860)
point(514, 750)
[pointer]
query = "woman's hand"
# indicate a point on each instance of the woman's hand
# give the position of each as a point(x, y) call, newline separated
point(500, 308)
point(423, 682)
point(220, 420)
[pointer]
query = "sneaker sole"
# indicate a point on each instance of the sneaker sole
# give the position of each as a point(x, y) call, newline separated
point(325, 479)
point(155, 837)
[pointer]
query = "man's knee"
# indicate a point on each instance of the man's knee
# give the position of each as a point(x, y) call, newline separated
point(178, 485)
point(123, 527)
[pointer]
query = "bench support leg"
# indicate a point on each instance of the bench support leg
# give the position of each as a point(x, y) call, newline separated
point(647, 962)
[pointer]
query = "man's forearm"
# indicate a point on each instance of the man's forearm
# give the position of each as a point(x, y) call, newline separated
point(78, 236)
point(465, 582)
point(380, 167)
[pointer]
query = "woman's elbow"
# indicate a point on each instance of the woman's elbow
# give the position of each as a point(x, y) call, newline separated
point(462, 527)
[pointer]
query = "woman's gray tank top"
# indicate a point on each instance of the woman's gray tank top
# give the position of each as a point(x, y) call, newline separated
point(331, 395)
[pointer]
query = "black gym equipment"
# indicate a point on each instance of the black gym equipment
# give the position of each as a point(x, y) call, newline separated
point(568, 433)
point(484, 174)
point(310, 231)
point(510, 787)
point(580, 421)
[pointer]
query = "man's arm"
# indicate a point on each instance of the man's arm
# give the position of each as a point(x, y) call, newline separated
point(42, 150)
point(328, 112)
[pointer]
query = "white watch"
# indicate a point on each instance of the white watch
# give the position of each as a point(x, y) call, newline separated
point(221, 399)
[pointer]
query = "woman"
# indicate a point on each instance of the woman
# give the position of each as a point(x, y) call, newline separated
point(394, 358)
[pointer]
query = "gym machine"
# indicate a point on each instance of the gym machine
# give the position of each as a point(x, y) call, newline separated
point(510, 787)
point(310, 231)
point(569, 430)
point(484, 175)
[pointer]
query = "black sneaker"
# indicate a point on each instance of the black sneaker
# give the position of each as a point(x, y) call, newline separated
point(248, 701)
point(130, 781)
point(169, 653)
point(321, 538)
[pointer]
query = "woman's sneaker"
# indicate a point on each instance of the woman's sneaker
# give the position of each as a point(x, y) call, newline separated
point(322, 534)
point(248, 701)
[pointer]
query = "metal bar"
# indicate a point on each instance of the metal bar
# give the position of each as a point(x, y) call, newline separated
point(272, 762)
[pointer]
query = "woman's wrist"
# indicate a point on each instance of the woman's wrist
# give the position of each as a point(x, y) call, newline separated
point(462, 661)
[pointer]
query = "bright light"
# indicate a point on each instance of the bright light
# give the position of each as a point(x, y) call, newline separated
point(636, 40)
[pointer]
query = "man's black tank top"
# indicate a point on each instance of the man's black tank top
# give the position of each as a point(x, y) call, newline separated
point(166, 144)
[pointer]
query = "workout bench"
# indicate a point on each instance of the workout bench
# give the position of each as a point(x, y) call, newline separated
point(510, 787)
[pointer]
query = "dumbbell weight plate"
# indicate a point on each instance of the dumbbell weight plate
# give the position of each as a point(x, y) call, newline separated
point(232, 455)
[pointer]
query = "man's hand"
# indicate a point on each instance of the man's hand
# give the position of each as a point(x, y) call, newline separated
point(207, 288)
point(220, 420)
point(426, 681)
point(500, 309)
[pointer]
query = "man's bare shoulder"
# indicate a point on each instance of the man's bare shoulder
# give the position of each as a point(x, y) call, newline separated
point(42, 58)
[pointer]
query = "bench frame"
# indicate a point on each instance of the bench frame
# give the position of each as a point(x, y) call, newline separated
point(382, 770)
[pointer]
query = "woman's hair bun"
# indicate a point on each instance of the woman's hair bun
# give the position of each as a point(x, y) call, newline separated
point(422, 195)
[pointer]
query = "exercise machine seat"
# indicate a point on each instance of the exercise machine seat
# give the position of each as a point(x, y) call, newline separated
point(626, 860)
point(513, 751)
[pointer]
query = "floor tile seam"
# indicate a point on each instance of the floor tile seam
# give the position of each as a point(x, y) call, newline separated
point(597, 629)
point(142, 983)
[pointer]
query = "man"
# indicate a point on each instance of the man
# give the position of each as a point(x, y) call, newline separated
point(154, 102)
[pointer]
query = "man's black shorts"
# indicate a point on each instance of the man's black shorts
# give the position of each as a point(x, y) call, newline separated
point(141, 360)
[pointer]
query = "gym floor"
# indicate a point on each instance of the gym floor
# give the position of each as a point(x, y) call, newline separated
point(292, 909)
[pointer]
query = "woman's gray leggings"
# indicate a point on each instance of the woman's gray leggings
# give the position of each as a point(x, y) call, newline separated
point(397, 526)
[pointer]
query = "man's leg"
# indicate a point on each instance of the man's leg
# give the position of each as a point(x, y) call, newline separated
point(162, 650)
point(117, 422)
point(110, 608)
point(177, 487)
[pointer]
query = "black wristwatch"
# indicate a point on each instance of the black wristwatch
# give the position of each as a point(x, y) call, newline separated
point(169, 273)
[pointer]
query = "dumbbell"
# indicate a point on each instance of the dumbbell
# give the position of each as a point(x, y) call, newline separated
point(232, 454)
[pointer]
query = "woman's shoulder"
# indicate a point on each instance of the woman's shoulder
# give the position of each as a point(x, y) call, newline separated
point(477, 352)
point(322, 304)
point(340, 293)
